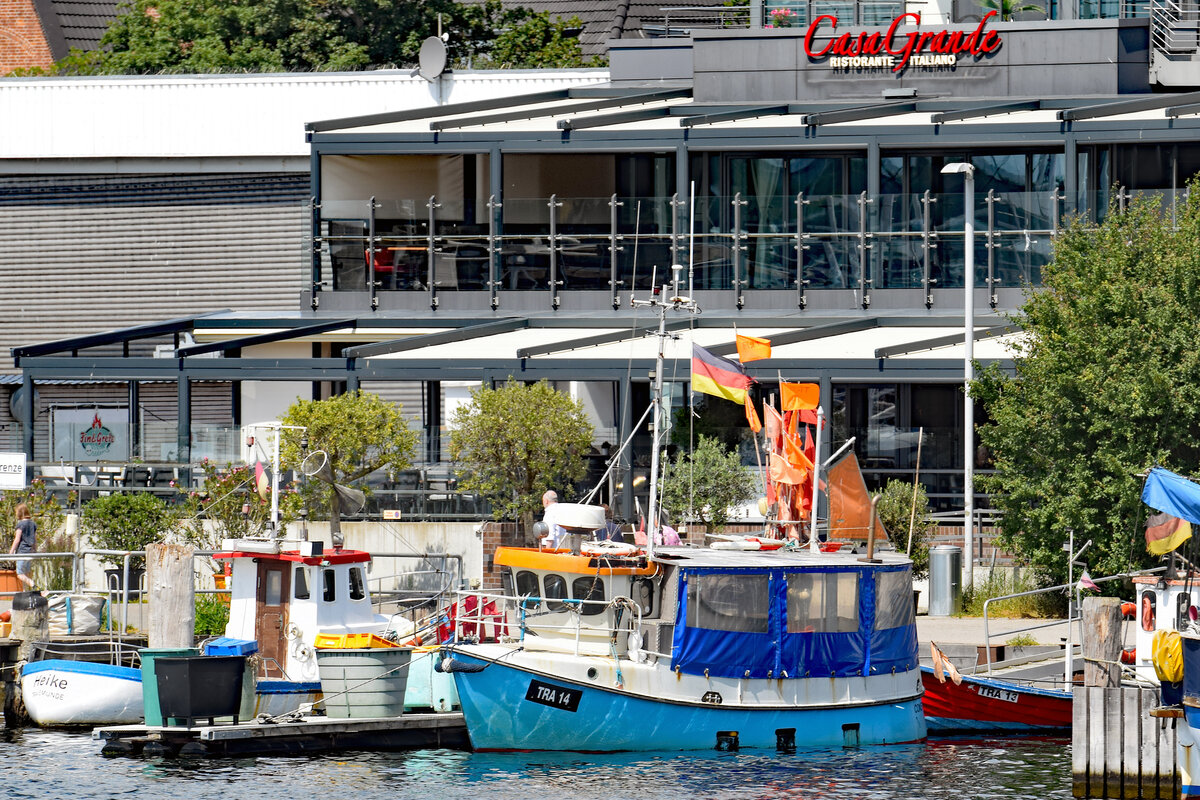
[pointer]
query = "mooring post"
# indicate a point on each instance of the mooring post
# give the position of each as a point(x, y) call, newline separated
point(171, 584)
point(1101, 619)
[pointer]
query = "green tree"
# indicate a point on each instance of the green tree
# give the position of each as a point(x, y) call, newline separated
point(126, 522)
point(359, 432)
point(898, 507)
point(541, 43)
point(514, 442)
point(706, 484)
point(204, 36)
point(1106, 385)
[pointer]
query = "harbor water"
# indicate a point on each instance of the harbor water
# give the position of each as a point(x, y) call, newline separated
point(53, 764)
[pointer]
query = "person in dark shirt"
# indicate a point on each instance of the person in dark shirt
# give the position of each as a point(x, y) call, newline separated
point(25, 541)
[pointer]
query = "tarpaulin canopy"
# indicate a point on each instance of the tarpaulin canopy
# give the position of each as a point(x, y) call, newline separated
point(1174, 494)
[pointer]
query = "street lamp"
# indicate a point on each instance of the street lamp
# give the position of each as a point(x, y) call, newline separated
point(968, 173)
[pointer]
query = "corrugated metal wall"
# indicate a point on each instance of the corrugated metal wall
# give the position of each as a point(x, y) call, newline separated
point(111, 260)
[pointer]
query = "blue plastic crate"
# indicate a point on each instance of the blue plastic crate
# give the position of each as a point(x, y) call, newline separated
point(224, 646)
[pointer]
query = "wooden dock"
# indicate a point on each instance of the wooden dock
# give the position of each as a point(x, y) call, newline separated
point(305, 735)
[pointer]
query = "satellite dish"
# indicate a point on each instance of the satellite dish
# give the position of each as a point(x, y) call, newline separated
point(16, 404)
point(316, 465)
point(432, 58)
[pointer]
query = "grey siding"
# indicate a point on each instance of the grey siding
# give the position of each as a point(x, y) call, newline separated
point(68, 270)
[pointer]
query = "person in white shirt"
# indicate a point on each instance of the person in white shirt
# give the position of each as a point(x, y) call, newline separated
point(555, 532)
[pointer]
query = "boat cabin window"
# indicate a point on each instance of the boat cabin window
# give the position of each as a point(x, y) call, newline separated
point(728, 603)
point(328, 585)
point(555, 589)
point(894, 606)
point(825, 602)
point(358, 589)
point(527, 586)
point(301, 584)
point(273, 596)
point(1148, 610)
point(590, 590)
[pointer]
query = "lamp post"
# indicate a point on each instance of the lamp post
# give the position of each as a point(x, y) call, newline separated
point(968, 173)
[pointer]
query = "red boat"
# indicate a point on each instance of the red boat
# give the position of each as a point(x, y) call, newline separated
point(991, 705)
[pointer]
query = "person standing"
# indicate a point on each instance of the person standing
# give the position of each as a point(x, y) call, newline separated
point(25, 541)
point(611, 530)
point(555, 533)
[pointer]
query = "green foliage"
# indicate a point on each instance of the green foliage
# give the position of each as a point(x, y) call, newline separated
point(1022, 640)
point(360, 432)
point(49, 516)
point(1006, 8)
point(895, 509)
point(1107, 384)
point(126, 522)
point(705, 484)
point(212, 614)
point(205, 36)
point(1036, 606)
point(541, 43)
point(514, 442)
point(227, 507)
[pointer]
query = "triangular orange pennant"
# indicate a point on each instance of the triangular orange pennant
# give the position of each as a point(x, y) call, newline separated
point(799, 396)
point(794, 452)
point(752, 415)
point(773, 423)
point(752, 348)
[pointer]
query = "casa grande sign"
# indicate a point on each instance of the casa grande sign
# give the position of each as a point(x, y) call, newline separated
point(896, 50)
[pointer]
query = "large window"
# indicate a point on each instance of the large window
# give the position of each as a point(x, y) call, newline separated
point(736, 603)
point(822, 602)
point(555, 592)
point(589, 589)
point(894, 606)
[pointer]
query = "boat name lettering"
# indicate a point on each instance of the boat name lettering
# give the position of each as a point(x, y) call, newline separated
point(895, 51)
point(50, 681)
point(998, 694)
point(554, 696)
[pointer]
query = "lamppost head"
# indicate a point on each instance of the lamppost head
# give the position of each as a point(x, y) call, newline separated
point(957, 167)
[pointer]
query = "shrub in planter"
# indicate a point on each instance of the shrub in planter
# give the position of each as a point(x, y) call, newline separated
point(897, 511)
point(126, 522)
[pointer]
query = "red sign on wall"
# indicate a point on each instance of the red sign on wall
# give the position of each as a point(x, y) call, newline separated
point(900, 50)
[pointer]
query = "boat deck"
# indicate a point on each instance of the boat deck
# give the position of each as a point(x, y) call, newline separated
point(306, 734)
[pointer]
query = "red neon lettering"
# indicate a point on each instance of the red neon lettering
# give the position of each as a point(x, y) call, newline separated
point(812, 32)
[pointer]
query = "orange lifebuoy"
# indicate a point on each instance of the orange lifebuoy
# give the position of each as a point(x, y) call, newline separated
point(1128, 656)
point(1128, 610)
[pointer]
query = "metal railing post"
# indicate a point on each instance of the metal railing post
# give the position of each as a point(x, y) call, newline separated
point(801, 248)
point(927, 237)
point(613, 249)
point(554, 205)
point(431, 251)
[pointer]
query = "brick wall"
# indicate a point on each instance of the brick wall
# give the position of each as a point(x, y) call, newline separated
point(495, 535)
point(22, 41)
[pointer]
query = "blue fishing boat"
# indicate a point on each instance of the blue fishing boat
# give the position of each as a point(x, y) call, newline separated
point(602, 646)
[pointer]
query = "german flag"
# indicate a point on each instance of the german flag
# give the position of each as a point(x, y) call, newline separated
point(718, 376)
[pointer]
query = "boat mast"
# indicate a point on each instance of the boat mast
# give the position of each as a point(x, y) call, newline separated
point(678, 303)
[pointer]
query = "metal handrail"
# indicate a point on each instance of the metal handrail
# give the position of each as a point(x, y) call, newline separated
point(1071, 617)
point(517, 604)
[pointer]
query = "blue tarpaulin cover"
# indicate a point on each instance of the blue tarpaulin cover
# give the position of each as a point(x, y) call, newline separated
point(731, 654)
point(1174, 494)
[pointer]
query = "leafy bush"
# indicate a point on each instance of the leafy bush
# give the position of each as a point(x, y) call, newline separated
point(126, 522)
point(212, 614)
point(896, 513)
point(999, 584)
point(705, 484)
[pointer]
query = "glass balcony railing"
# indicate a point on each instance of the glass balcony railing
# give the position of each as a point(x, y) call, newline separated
point(742, 242)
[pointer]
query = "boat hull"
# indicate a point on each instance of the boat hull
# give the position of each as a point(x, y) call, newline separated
point(509, 708)
point(989, 705)
point(70, 693)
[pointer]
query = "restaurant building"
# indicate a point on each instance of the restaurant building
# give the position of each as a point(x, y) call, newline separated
point(793, 173)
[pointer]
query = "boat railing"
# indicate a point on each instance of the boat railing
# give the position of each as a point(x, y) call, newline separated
point(1073, 616)
point(495, 616)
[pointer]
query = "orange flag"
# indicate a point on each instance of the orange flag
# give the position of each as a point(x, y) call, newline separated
point(783, 472)
point(793, 451)
point(773, 422)
point(799, 396)
point(752, 415)
point(752, 348)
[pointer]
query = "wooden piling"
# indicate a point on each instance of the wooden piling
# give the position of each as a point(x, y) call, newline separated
point(1102, 644)
point(1118, 750)
point(171, 585)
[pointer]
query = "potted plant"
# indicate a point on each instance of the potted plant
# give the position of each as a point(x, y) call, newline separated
point(124, 523)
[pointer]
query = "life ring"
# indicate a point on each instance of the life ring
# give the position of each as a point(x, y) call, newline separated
point(1128, 610)
point(607, 547)
point(1129, 656)
point(736, 544)
point(767, 544)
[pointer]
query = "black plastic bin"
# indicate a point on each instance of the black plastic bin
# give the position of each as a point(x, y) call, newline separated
point(199, 687)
